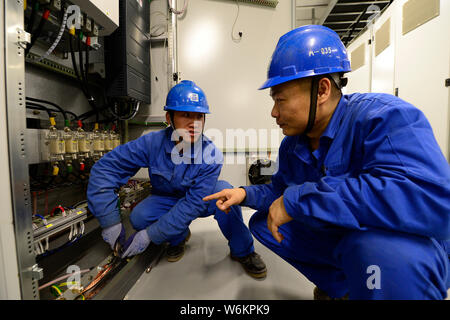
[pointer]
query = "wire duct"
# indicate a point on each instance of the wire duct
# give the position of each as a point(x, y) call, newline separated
point(58, 39)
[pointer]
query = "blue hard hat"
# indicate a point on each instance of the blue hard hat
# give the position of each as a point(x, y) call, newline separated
point(307, 51)
point(186, 96)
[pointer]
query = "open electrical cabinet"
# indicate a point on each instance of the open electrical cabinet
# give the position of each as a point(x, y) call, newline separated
point(76, 75)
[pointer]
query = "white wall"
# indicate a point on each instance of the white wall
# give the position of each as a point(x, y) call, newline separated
point(230, 72)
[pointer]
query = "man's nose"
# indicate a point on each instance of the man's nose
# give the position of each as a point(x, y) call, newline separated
point(275, 113)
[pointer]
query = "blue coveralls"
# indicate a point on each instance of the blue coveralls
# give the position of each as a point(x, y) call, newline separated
point(179, 184)
point(371, 206)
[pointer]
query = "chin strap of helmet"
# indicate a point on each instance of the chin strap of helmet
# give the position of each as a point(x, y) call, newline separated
point(337, 79)
point(172, 123)
point(313, 104)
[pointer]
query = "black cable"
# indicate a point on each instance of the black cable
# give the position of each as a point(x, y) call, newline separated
point(80, 76)
point(89, 114)
point(35, 35)
point(34, 7)
point(75, 117)
point(80, 61)
point(82, 84)
point(39, 107)
point(87, 66)
point(49, 103)
point(107, 120)
point(79, 203)
point(83, 74)
point(74, 65)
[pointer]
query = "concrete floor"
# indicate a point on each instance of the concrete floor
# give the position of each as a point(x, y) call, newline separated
point(206, 272)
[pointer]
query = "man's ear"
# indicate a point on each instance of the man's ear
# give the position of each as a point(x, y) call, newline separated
point(324, 90)
point(168, 118)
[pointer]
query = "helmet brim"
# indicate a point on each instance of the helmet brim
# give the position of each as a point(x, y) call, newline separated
point(188, 109)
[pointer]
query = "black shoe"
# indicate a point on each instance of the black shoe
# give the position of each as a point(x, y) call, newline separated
point(322, 295)
point(253, 265)
point(175, 253)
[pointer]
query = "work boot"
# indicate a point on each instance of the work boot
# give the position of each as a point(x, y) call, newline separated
point(175, 253)
point(253, 265)
point(322, 295)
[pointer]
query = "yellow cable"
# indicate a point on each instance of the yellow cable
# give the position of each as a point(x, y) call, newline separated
point(56, 288)
point(52, 121)
point(68, 283)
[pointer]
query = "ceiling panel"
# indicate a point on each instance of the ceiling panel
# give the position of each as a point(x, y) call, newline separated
point(347, 17)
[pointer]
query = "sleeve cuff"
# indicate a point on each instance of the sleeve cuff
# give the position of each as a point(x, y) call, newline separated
point(109, 219)
point(291, 200)
point(249, 196)
point(154, 234)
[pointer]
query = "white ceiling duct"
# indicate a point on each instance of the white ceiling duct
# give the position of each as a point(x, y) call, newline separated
point(267, 3)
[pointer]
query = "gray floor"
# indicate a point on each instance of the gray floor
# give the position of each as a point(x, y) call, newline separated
point(206, 272)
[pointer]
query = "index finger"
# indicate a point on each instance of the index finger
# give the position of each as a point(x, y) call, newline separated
point(217, 195)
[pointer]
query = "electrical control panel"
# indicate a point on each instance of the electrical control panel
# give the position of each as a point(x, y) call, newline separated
point(59, 122)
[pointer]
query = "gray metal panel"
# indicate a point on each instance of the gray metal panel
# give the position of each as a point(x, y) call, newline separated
point(15, 95)
point(9, 280)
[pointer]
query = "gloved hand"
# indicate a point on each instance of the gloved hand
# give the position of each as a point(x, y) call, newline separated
point(136, 244)
point(113, 234)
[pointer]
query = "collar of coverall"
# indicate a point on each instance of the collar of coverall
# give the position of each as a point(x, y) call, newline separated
point(335, 121)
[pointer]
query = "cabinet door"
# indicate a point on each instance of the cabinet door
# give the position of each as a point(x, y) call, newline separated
point(383, 52)
point(422, 62)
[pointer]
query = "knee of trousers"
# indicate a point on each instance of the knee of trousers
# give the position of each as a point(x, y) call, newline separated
point(258, 226)
point(137, 218)
point(396, 254)
point(222, 184)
